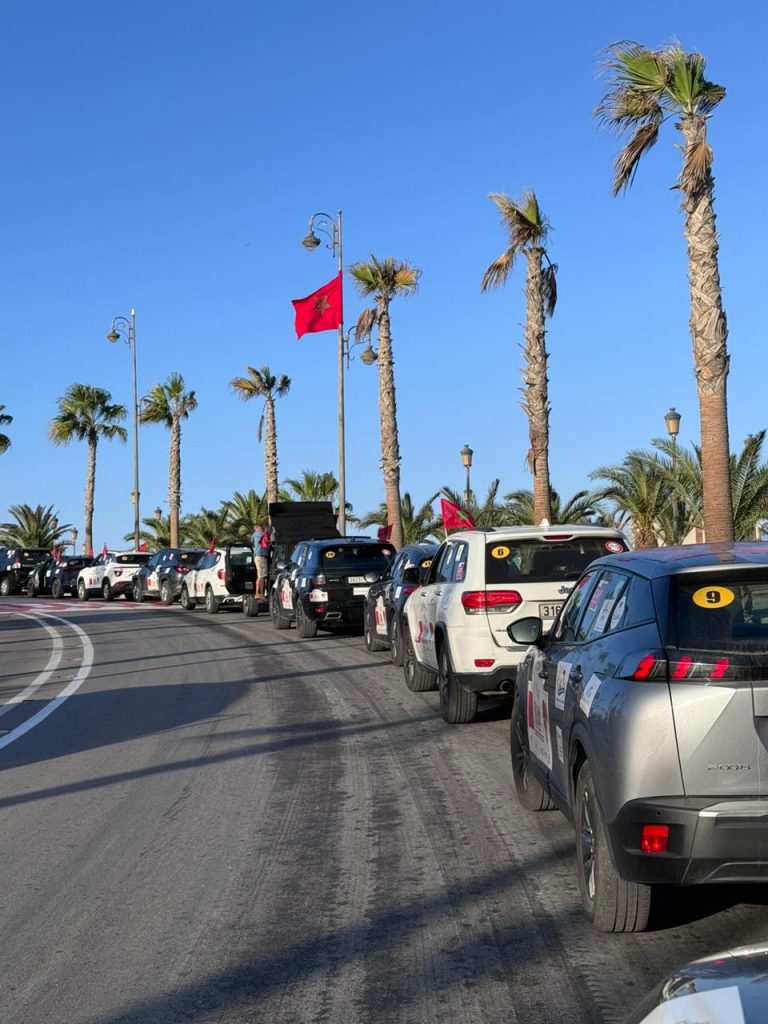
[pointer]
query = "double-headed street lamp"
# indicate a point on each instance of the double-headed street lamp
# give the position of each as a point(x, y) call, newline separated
point(466, 461)
point(125, 328)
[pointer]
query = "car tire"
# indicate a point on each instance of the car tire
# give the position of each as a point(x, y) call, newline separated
point(32, 589)
point(138, 593)
point(396, 642)
point(186, 601)
point(166, 594)
point(369, 638)
point(305, 627)
point(211, 604)
point(457, 705)
point(610, 903)
point(279, 621)
point(106, 591)
point(417, 678)
point(530, 792)
point(57, 591)
point(82, 590)
point(6, 586)
point(250, 606)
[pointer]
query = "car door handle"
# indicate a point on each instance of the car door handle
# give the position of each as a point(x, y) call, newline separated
point(437, 593)
point(576, 675)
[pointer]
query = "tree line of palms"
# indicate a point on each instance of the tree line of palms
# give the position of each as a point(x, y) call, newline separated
point(645, 89)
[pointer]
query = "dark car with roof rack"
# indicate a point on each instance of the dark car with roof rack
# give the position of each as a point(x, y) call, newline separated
point(384, 602)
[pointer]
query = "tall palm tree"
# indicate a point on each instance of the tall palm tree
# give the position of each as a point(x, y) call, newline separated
point(169, 403)
point(528, 231)
point(157, 534)
point(419, 524)
point(87, 413)
point(383, 281)
point(642, 492)
point(33, 527)
point(5, 441)
point(579, 508)
point(310, 486)
point(490, 513)
point(263, 384)
point(645, 89)
point(200, 528)
point(245, 512)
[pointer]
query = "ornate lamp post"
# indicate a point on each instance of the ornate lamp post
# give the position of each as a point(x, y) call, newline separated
point(672, 420)
point(158, 514)
point(125, 328)
point(466, 461)
point(74, 540)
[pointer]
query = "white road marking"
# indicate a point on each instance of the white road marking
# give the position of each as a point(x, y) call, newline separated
point(72, 687)
point(42, 678)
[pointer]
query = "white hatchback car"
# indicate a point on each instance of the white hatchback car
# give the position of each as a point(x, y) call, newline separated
point(111, 574)
point(479, 582)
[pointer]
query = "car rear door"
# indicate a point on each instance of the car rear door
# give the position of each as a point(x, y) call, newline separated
point(240, 570)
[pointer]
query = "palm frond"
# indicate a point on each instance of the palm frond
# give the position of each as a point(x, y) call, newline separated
point(498, 272)
point(629, 158)
point(549, 289)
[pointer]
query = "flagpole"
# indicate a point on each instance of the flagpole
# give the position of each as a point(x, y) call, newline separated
point(342, 520)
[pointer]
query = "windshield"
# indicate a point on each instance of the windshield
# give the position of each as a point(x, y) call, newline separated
point(541, 561)
point(132, 558)
point(240, 556)
point(720, 611)
point(351, 556)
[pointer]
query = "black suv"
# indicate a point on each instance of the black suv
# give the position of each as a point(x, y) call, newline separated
point(162, 575)
point(57, 578)
point(382, 618)
point(325, 583)
point(16, 565)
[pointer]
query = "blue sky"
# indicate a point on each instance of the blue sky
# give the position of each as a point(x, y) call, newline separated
point(167, 156)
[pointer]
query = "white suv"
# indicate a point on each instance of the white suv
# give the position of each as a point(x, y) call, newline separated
point(111, 574)
point(479, 582)
point(224, 577)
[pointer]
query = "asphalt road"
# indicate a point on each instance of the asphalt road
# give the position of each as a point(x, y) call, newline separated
point(207, 820)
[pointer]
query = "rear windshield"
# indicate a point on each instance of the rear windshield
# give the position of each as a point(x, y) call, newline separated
point(184, 557)
point(346, 556)
point(719, 612)
point(240, 556)
point(31, 556)
point(75, 563)
point(542, 561)
point(134, 558)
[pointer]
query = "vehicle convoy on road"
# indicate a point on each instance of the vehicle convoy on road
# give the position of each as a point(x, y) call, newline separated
point(164, 573)
point(57, 577)
point(384, 602)
point(480, 580)
point(643, 715)
point(325, 582)
point(16, 565)
point(222, 578)
point(110, 574)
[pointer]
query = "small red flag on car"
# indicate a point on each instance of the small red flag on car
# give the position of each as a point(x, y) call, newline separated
point(212, 546)
point(453, 517)
point(56, 555)
point(385, 532)
point(320, 311)
point(143, 546)
point(105, 550)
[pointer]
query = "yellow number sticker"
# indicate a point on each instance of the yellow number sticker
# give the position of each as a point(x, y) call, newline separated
point(426, 563)
point(713, 597)
point(329, 554)
point(501, 551)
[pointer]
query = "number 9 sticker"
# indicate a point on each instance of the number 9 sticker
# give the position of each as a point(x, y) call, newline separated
point(500, 551)
point(713, 597)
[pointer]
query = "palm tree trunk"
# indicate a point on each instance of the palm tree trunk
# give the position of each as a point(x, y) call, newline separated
point(390, 447)
point(270, 450)
point(90, 489)
point(174, 481)
point(709, 334)
point(535, 395)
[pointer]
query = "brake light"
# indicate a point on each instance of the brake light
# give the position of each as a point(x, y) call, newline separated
point(702, 667)
point(682, 667)
point(721, 667)
point(645, 666)
point(16, 565)
point(182, 568)
point(221, 574)
point(118, 572)
point(654, 838)
point(319, 580)
point(474, 601)
point(557, 536)
point(484, 662)
point(407, 591)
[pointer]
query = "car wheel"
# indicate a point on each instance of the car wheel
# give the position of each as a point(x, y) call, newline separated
point(57, 591)
point(166, 594)
point(186, 601)
point(417, 678)
point(457, 705)
point(279, 621)
point(32, 590)
point(6, 586)
point(250, 606)
point(106, 591)
point(395, 642)
point(138, 593)
point(530, 792)
point(610, 903)
point(82, 590)
point(305, 627)
point(372, 644)
point(211, 604)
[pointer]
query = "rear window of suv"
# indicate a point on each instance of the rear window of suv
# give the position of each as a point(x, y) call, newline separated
point(135, 558)
point(542, 561)
point(719, 611)
point(349, 556)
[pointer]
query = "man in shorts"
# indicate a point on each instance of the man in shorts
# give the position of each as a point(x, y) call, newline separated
point(261, 541)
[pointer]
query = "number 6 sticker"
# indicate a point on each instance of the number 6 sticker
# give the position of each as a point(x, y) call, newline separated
point(713, 597)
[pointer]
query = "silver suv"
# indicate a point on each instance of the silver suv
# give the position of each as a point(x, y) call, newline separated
point(643, 715)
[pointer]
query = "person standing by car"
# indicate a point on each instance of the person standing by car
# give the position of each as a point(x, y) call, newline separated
point(262, 538)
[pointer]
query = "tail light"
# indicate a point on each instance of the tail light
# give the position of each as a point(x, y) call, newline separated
point(118, 572)
point(705, 666)
point(490, 601)
point(16, 565)
point(645, 666)
point(182, 569)
point(407, 591)
point(319, 580)
point(654, 838)
point(484, 662)
point(221, 574)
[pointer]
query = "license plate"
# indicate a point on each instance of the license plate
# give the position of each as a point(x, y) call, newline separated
point(249, 586)
point(357, 579)
point(360, 591)
point(549, 611)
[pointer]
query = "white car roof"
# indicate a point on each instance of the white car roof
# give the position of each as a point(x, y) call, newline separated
point(525, 532)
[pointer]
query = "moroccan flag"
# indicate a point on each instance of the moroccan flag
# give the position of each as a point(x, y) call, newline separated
point(143, 546)
point(320, 311)
point(56, 555)
point(212, 547)
point(453, 517)
point(385, 533)
point(104, 550)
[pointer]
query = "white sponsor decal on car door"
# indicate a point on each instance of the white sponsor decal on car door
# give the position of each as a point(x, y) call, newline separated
point(539, 738)
point(589, 694)
point(561, 683)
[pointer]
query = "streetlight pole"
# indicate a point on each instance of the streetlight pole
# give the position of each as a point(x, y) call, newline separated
point(672, 419)
point(331, 227)
point(466, 460)
point(126, 328)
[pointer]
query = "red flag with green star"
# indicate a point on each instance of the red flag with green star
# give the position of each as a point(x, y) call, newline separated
point(320, 311)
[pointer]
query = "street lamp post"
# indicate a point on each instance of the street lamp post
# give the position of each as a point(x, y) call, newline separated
point(74, 540)
point(331, 228)
point(672, 420)
point(466, 461)
point(125, 327)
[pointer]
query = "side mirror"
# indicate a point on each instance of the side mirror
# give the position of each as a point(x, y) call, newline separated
point(525, 631)
point(412, 576)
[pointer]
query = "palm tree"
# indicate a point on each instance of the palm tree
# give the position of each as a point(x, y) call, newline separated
point(200, 528)
point(263, 384)
point(384, 280)
point(641, 491)
point(245, 511)
point(34, 527)
point(157, 534)
point(5, 441)
point(646, 88)
point(528, 231)
point(310, 486)
point(490, 513)
point(579, 508)
point(87, 413)
point(169, 403)
point(419, 524)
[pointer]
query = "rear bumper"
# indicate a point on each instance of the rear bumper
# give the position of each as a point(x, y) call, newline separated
point(710, 840)
point(331, 613)
point(501, 678)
